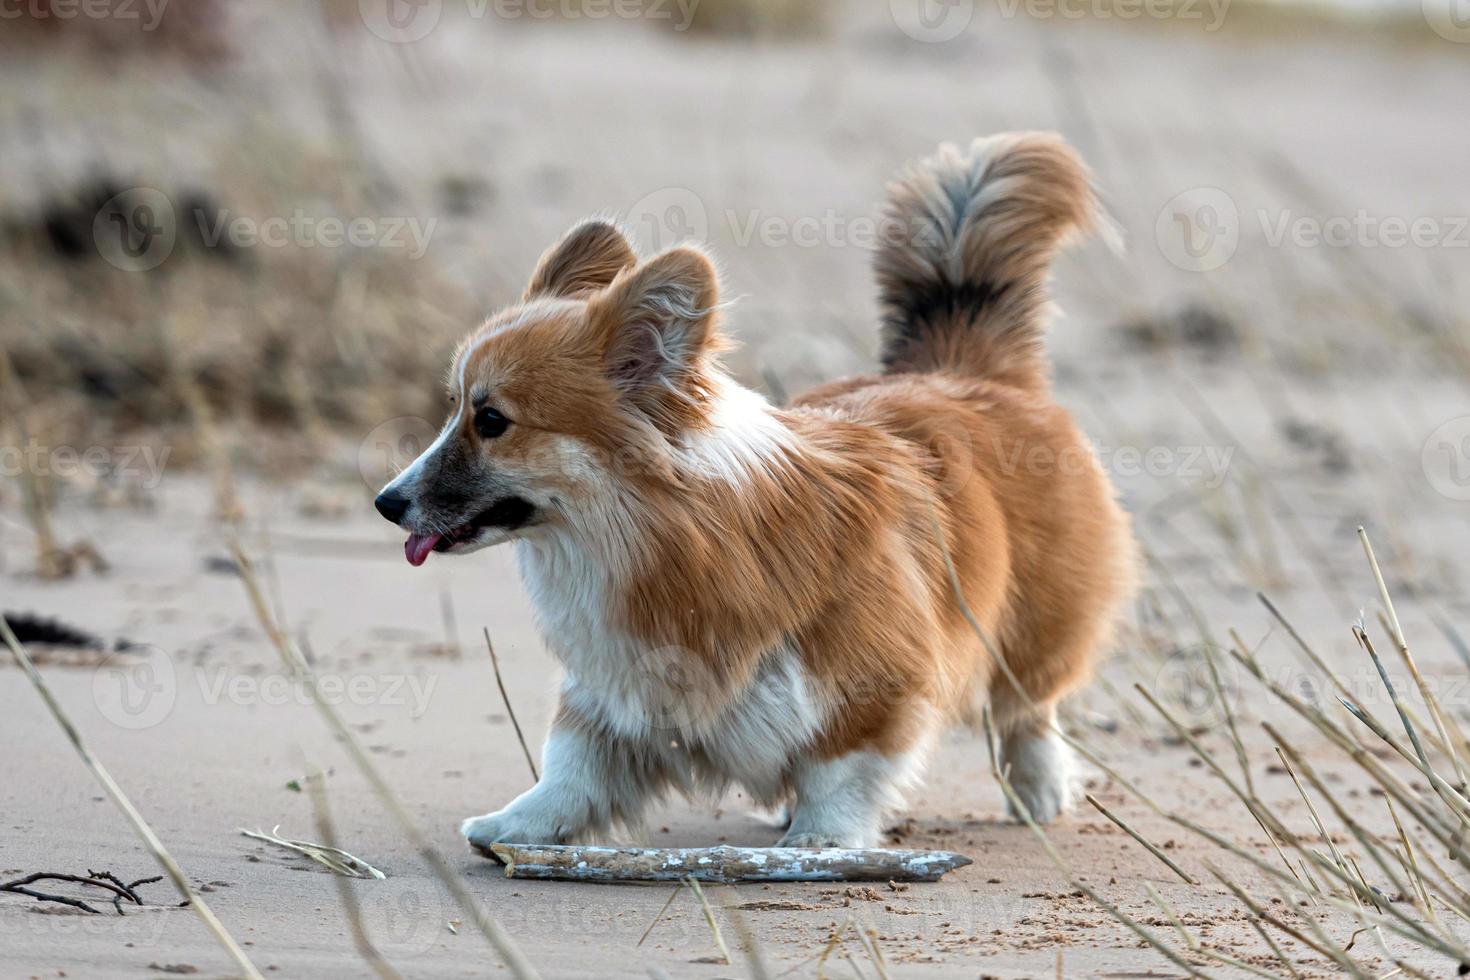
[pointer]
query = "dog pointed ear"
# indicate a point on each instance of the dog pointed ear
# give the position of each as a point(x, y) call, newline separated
point(659, 333)
point(587, 259)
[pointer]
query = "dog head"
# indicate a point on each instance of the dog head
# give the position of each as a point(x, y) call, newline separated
point(587, 381)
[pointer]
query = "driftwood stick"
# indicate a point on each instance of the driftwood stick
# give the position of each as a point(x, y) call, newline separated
point(723, 865)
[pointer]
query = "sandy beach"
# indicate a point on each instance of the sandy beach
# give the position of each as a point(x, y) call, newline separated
point(1257, 391)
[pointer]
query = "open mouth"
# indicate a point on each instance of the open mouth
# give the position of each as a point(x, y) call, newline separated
point(506, 515)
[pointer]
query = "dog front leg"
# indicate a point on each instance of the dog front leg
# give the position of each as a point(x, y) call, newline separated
point(590, 780)
point(841, 801)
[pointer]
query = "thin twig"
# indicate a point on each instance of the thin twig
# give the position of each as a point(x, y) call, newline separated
point(672, 895)
point(505, 699)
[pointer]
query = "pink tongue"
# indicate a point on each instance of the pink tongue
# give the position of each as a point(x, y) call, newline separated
point(418, 546)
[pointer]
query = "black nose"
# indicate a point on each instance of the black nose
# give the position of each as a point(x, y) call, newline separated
point(391, 506)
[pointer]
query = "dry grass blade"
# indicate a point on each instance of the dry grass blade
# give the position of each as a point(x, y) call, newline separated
point(50, 560)
point(226, 491)
point(980, 633)
point(1168, 910)
point(331, 858)
point(1435, 713)
point(1453, 799)
point(709, 917)
point(659, 917)
point(1311, 808)
point(317, 784)
point(1141, 839)
point(868, 940)
point(120, 799)
point(492, 930)
point(1241, 757)
point(748, 944)
point(505, 699)
point(1411, 865)
point(451, 623)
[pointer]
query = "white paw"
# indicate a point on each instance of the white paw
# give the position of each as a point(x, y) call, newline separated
point(515, 825)
point(1041, 774)
point(1045, 798)
point(818, 838)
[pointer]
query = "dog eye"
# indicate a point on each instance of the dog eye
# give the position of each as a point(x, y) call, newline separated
point(489, 423)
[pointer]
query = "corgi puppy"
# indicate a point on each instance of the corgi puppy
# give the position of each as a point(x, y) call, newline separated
point(776, 599)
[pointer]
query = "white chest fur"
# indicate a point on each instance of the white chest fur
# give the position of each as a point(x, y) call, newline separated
point(665, 702)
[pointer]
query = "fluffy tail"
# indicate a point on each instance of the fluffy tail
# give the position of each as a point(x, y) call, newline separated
point(970, 236)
